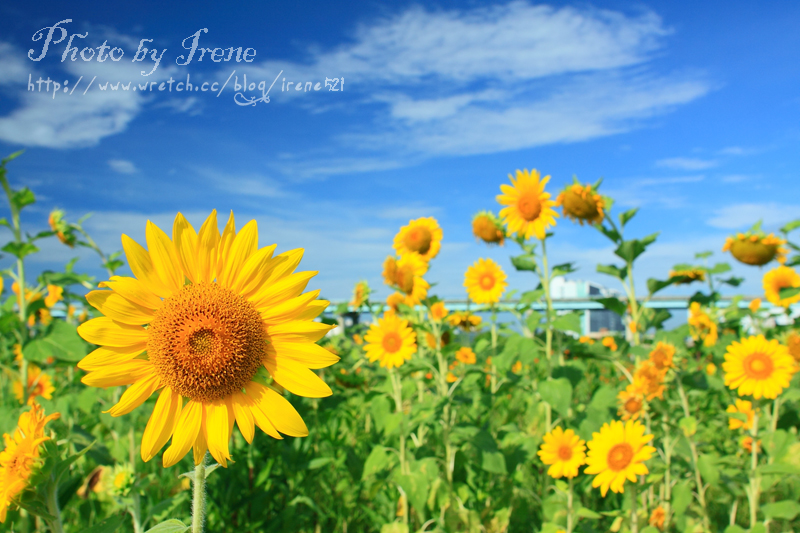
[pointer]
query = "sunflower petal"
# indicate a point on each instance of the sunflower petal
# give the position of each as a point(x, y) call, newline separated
point(254, 392)
point(118, 308)
point(244, 245)
point(200, 446)
point(282, 414)
point(244, 416)
point(207, 241)
point(292, 259)
point(288, 309)
point(297, 378)
point(185, 433)
point(309, 354)
point(136, 395)
point(107, 332)
point(162, 423)
point(132, 290)
point(121, 374)
point(106, 356)
point(286, 288)
point(185, 239)
point(225, 243)
point(218, 431)
point(166, 261)
point(141, 265)
point(255, 270)
point(299, 330)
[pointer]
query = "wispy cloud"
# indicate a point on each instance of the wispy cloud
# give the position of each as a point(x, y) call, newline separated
point(686, 163)
point(122, 166)
point(744, 215)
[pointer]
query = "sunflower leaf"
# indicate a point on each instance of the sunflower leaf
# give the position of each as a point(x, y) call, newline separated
point(613, 304)
point(789, 292)
point(612, 270)
point(625, 217)
point(525, 262)
point(172, 525)
point(793, 225)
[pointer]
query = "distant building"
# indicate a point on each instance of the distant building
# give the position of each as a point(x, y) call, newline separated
point(595, 321)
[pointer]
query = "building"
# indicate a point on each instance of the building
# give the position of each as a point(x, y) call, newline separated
point(595, 321)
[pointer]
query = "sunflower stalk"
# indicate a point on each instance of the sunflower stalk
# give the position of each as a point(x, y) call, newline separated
point(754, 491)
point(51, 497)
point(494, 349)
point(449, 452)
point(634, 511)
point(701, 491)
point(199, 496)
point(570, 514)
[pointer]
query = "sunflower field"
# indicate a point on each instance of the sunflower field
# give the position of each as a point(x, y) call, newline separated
point(122, 397)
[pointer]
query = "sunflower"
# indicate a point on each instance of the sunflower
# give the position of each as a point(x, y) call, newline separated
point(438, 312)
point(361, 294)
point(39, 384)
point(217, 310)
point(421, 237)
point(464, 320)
point(701, 326)
point(793, 345)
point(754, 305)
point(617, 453)
point(610, 343)
point(405, 275)
point(631, 402)
point(564, 451)
point(711, 369)
point(444, 340)
point(21, 452)
point(649, 380)
point(747, 444)
point(466, 355)
point(581, 203)
point(485, 281)
point(758, 367)
point(756, 249)
point(529, 209)
point(687, 275)
point(488, 228)
point(393, 300)
point(779, 278)
point(742, 407)
point(658, 517)
point(391, 341)
point(661, 356)
point(61, 228)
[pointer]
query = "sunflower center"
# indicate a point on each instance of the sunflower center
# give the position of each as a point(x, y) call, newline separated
point(619, 457)
point(206, 342)
point(633, 405)
point(392, 342)
point(580, 205)
point(565, 452)
point(487, 281)
point(758, 365)
point(404, 278)
point(529, 206)
point(418, 240)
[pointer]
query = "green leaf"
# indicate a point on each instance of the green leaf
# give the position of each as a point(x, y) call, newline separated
point(525, 262)
point(688, 425)
point(62, 342)
point(585, 512)
point(558, 393)
point(394, 527)
point(611, 233)
point(11, 157)
point(612, 270)
point(563, 269)
point(22, 197)
point(719, 268)
point(708, 469)
point(494, 462)
point(789, 292)
point(703, 255)
point(655, 285)
point(569, 322)
point(614, 304)
point(530, 297)
point(779, 468)
point(785, 510)
point(793, 225)
point(169, 526)
point(20, 249)
point(758, 528)
point(735, 529)
point(379, 459)
point(681, 497)
point(109, 525)
point(630, 250)
point(319, 462)
point(625, 217)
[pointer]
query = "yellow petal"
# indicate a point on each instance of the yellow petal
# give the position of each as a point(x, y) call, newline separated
point(185, 239)
point(299, 330)
point(256, 270)
point(225, 242)
point(293, 258)
point(132, 290)
point(107, 332)
point(313, 310)
point(288, 309)
point(244, 417)
point(254, 391)
point(136, 395)
point(282, 414)
point(142, 267)
point(244, 245)
point(118, 308)
point(297, 378)
point(121, 374)
point(218, 431)
point(283, 289)
point(207, 241)
point(165, 257)
point(105, 356)
point(162, 423)
point(200, 446)
point(185, 433)
point(309, 354)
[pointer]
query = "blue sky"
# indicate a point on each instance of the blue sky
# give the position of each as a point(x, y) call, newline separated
point(688, 110)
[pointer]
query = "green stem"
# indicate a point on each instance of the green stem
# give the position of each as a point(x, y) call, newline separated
point(701, 493)
point(52, 506)
point(570, 516)
point(755, 481)
point(634, 516)
point(635, 310)
point(667, 476)
point(398, 401)
point(199, 497)
point(775, 408)
point(494, 350)
point(549, 316)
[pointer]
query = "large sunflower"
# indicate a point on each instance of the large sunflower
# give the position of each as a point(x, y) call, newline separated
point(405, 275)
point(779, 278)
point(758, 367)
point(422, 237)
point(216, 309)
point(661, 356)
point(742, 407)
point(485, 281)
point(756, 249)
point(390, 341)
point(21, 452)
point(564, 451)
point(488, 228)
point(39, 384)
point(582, 203)
point(631, 402)
point(617, 453)
point(529, 209)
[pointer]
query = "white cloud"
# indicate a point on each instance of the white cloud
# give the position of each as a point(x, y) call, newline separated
point(122, 166)
point(736, 178)
point(745, 215)
point(13, 66)
point(686, 163)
